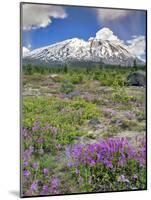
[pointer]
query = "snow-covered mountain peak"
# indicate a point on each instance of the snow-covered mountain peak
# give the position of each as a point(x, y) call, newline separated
point(77, 42)
point(105, 47)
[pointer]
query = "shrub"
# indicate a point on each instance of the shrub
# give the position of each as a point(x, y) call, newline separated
point(76, 78)
point(66, 87)
point(119, 93)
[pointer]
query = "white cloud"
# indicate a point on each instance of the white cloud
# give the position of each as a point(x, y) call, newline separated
point(25, 50)
point(137, 46)
point(111, 14)
point(37, 16)
point(107, 34)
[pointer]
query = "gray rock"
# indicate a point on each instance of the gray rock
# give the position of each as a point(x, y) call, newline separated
point(73, 94)
point(132, 136)
point(137, 78)
point(31, 92)
point(93, 121)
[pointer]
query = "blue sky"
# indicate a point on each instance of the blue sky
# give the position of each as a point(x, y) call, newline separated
point(50, 24)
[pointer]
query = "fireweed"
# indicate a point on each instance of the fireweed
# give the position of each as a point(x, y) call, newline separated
point(111, 164)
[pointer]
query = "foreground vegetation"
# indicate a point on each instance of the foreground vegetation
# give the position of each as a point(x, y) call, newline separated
point(83, 131)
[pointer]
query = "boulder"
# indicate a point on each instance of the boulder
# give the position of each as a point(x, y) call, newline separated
point(93, 121)
point(137, 78)
point(53, 75)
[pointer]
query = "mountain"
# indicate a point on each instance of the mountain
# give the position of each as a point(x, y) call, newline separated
point(100, 49)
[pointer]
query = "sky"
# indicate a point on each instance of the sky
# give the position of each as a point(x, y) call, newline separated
point(43, 25)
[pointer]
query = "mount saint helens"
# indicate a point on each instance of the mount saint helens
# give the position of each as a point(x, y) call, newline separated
point(104, 48)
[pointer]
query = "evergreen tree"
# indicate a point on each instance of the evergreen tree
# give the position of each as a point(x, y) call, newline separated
point(65, 68)
point(135, 65)
point(87, 70)
point(29, 69)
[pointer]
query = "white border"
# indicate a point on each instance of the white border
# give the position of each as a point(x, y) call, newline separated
point(9, 97)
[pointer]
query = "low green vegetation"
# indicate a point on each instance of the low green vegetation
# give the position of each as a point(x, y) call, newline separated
point(68, 112)
point(65, 115)
point(105, 75)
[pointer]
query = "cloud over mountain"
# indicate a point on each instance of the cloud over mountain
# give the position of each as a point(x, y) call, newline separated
point(107, 34)
point(111, 14)
point(137, 46)
point(40, 16)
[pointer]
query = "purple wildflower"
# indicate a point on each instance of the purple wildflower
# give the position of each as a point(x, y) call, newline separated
point(27, 153)
point(76, 171)
point(105, 152)
point(25, 163)
point(39, 140)
point(33, 186)
point(25, 133)
point(45, 189)
point(47, 126)
point(31, 149)
point(36, 126)
point(35, 165)
point(54, 183)
point(45, 171)
point(121, 178)
point(26, 173)
point(92, 162)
